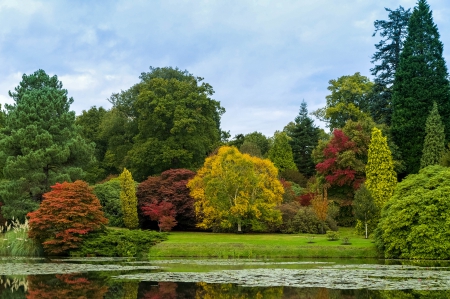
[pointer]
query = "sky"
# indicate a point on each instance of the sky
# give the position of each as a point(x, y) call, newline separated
point(262, 58)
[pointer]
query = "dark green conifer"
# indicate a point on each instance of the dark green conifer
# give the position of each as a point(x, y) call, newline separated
point(420, 80)
point(434, 144)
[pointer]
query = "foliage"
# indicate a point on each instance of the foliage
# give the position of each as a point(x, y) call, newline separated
point(294, 176)
point(298, 219)
point(162, 212)
point(66, 214)
point(304, 138)
point(365, 208)
point(349, 99)
point(119, 242)
point(280, 153)
point(393, 32)
point(14, 240)
point(236, 189)
point(250, 148)
point(109, 195)
point(414, 222)
point(421, 79)
point(178, 123)
point(128, 200)
point(332, 235)
point(40, 143)
point(434, 144)
point(260, 140)
point(169, 187)
point(380, 175)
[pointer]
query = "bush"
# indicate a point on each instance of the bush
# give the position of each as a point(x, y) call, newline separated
point(119, 243)
point(415, 222)
point(305, 221)
point(66, 214)
point(332, 235)
point(109, 195)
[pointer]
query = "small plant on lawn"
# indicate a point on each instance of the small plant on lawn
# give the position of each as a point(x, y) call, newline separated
point(332, 235)
point(346, 241)
point(14, 240)
point(67, 213)
point(311, 239)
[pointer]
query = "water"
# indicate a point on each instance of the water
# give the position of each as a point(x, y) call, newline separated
point(207, 278)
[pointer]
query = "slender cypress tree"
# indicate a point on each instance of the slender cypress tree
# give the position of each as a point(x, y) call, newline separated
point(128, 199)
point(421, 79)
point(434, 144)
point(304, 138)
point(381, 178)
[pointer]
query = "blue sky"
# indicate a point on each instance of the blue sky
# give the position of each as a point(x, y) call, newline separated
point(261, 57)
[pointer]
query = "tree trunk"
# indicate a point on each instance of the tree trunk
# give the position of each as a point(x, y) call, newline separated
point(366, 229)
point(239, 227)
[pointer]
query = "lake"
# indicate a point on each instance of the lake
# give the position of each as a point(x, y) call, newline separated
point(227, 278)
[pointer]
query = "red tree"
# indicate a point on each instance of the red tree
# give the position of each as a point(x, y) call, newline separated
point(170, 187)
point(162, 212)
point(67, 213)
point(342, 165)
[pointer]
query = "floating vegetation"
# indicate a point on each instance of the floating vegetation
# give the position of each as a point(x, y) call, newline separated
point(231, 262)
point(372, 277)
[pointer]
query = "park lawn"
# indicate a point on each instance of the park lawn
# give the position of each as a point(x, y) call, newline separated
point(228, 245)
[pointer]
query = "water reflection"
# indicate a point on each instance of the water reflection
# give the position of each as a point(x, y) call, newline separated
point(100, 285)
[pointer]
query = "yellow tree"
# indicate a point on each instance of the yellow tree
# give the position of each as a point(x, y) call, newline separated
point(234, 189)
point(128, 199)
point(381, 178)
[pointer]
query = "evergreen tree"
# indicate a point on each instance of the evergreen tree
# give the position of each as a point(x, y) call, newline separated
point(281, 152)
point(304, 138)
point(420, 79)
point(381, 178)
point(40, 143)
point(393, 31)
point(434, 144)
point(128, 199)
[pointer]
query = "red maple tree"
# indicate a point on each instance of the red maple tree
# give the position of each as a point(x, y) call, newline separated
point(169, 187)
point(67, 213)
point(162, 212)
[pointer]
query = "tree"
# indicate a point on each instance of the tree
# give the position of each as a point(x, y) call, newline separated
point(420, 80)
point(66, 214)
point(178, 123)
point(128, 199)
point(414, 222)
point(40, 143)
point(393, 31)
point(250, 148)
point(434, 144)
point(260, 140)
point(109, 195)
point(364, 207)
point(234, 189)
point(381, 178)
point(162, 212)
point(349, 99)
point(304, 138)
point(280, 152)
point(320, 206)
point(169, 187)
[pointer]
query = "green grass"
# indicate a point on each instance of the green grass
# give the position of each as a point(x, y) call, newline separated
point(222, 245)
point(15, 242)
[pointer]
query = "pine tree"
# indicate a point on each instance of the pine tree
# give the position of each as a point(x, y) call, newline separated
point(434, 144)
point(281, 152)
point(128, 199)
point(421, 79)
point(381, 178)
point(304, 138)
point(393, 31)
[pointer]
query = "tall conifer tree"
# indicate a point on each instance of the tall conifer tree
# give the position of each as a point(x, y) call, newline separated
point(434, 144)
point(281, 152)
point(304, 138)
point(128, 199)
point(421, 78)
point(381, 178)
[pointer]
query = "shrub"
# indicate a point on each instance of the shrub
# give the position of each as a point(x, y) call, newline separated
point(295, 176)
point(123, 243)
point(67, 213)
point(109, 195)
point(332, 235)
point(169, 187)
point(415, 222)
point(306, 221)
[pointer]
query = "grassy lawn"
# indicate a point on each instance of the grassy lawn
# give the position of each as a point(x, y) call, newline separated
point(222, 245)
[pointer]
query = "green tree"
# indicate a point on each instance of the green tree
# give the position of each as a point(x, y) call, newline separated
point(393, 32)
point(280, 152)
point(304, 138)
point(364, 207)
point(234, 189)
point(420, 80)
point(128, 199)
point(40, 143)
point(434, 144)
point(381, 178)
point(178, 122)
point(250, 148)
point(108, 194)
point(349, 99)
point(414, 222)
point(260, 140)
